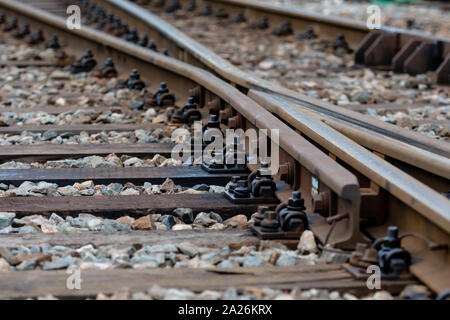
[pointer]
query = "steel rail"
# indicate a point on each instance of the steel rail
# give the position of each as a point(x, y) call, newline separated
point(186, 49)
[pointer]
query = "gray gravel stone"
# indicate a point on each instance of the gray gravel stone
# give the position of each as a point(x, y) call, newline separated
point(314, 293)
point(20, 250)
point(144, 258)
point(35, 249)
point(168, 221)
point(76, 222)
point(49, 134)
point(17, 223)
point(45, 188)
point(230, 294)
point(172, 257)
point(26, 229)
point(249, 261)
point(26, 265)
point(95, 224)
point(107, 191)
point(161, 248)
point(175, 294)
point(58, 249)
point(334, 295)
point(333, 257)
point(112, 226)
point(87, 192)
point(201, 187)
point(188, 249)
point(64, 226)
point(45, 247)
point(88, 257)
point(59, 264)
point(8, 230)
point(55, 219)
point(217, 189)
point(137, 105)
point(307, 244)
point(157, 292)
point(184, 214)
point(6, 218)
point(225, 264)
point(207, 219)
point(209, 256)
point(286, 260)
point(68, 191)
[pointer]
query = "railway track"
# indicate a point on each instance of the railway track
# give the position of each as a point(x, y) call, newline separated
point(187, 50)
point(350, 194)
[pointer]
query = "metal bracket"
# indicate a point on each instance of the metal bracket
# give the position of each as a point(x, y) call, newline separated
point(259, 187)
point(288, 221)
